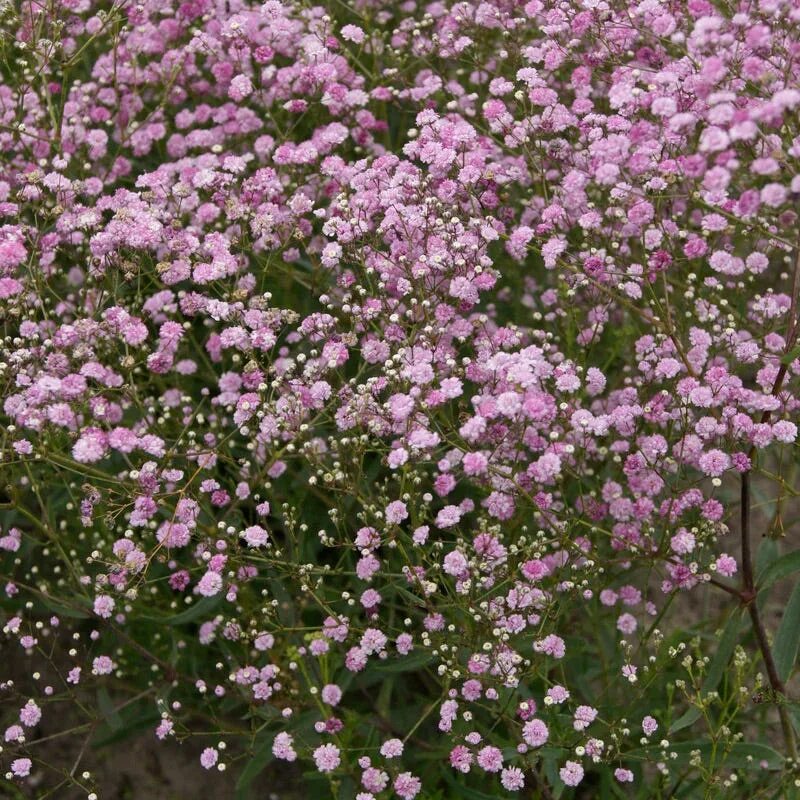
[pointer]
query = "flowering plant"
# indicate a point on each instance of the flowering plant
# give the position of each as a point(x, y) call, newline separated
point(405, 391)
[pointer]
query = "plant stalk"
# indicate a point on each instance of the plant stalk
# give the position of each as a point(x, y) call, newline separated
point(749, 599)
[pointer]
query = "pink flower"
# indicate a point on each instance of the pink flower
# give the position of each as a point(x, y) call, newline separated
point(726, 565)
point(209, 757)
point(14, 733)
point(455, 564)
point(557, 694)
point(714, 462)
point(535, 732)
point(21, 767)
point(327, 757)
point(623, 775)
point(331, 694)
point(30, 714)
point(649, 726)
point(352, 33)
point(102, 665)
point(490, 758)
point(448, 516)
point(551, 645)
point(571, 773)
point(104, 606)
point(370, 599)
point(210, 584)
point(461, 758)
point(583, 717)
point(282, 747)
point(396, 512)
point(91, 447)
point(407, 786)
point(513, 779)
point(392, 748)
point(241, 86)
point(682, 542)
point(255, 536)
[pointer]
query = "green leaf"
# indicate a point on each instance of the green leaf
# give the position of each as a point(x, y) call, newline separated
point(550, 767)
point(73, 612)
point(784, 650)
point(13, 793)
point(466, 792)
point(347, 788)
point(609, 787)
point(414, 661)
point(411, 597)
point(262, 756)
point(301, 722)
point(133, 721)
point(195, 611)
point(768, 552)
point(725, 648)
point(740, 756)
point(780, 568)
point(106, 706)
point(791, 355)
point(743, 755)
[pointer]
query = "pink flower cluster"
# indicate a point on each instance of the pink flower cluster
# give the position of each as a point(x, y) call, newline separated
point(365, 367)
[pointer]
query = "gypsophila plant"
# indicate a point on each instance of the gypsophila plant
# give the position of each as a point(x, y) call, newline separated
point(406, 391)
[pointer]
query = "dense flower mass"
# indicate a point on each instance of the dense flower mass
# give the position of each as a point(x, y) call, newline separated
point(387, 387)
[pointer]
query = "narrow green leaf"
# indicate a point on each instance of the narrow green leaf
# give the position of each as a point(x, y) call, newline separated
point(106, 706)
point(794, 715)
point(194, 612)
point(791, 355)
point(131, 725)
point(550, 765)
point(347, 788)
point(13, 793)
point(784, 650)
point(414, 661)
point(742, 755)
point(780, 568)
point(466, 792)
point(716, 669)
point(768, 552)
point(73, 612)
point(262, 756)
point(411, 597)
point(609, 787)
